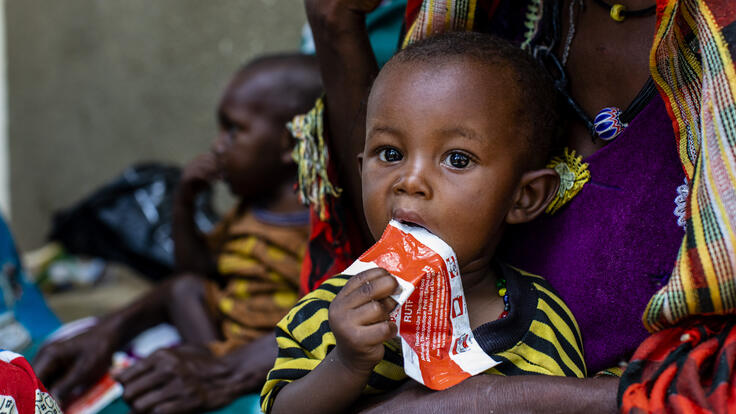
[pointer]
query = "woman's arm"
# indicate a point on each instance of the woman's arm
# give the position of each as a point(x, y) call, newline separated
point(348, 68)
point(493, 393)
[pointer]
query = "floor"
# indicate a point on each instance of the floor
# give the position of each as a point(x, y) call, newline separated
point(118, 287)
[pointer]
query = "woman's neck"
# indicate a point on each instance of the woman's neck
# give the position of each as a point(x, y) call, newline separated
point(608, 63)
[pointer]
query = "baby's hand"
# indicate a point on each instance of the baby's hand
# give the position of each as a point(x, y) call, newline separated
point(359, 318)
point(197, 175)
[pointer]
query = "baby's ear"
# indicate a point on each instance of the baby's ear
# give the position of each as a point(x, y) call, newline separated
point(359, 158)
point(536, 190)
point(287, 147)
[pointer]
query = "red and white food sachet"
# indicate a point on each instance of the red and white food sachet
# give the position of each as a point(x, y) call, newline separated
point(437, 343)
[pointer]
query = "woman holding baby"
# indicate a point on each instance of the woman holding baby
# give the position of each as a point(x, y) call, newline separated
point(649, 91)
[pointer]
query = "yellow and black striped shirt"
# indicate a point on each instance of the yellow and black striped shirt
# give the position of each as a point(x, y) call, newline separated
point(539, 336)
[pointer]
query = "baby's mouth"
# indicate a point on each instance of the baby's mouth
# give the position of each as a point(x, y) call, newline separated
point(411, 224)
point(409, 218)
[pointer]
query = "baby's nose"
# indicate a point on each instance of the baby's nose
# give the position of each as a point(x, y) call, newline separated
point(218, 145)
point(414, 183)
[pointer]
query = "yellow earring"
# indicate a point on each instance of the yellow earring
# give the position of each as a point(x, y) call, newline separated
point(617, 12)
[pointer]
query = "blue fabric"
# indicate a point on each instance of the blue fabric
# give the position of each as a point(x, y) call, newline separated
point(31, 309)
point(248, 404)
point(33, 313)
point(116, 407)
point(384, 30)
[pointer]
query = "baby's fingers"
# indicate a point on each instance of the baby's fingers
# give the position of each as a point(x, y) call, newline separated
point(379, 332)
point(388, 303)
point(363, 278)
point(374, 284)
point(372, 312)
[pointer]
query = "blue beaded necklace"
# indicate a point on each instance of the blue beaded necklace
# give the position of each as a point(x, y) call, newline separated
point(609, 122)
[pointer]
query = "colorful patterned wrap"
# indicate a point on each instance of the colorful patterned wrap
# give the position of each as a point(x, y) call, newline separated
point(688, 365)
point(453, 15)
point(692, 66)
point(684, 369)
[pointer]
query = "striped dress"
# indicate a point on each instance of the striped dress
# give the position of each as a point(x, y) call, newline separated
point(538, 337)
point(259, 256)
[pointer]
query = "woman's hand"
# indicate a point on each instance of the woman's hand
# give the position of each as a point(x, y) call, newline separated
point(192, 380)
point(179, 380)
point(359, 319)
point(70, 366)
point(334, 11)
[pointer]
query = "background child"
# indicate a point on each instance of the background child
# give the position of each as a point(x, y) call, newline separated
point(260, 243)
point(237, 282)
point(458, 130)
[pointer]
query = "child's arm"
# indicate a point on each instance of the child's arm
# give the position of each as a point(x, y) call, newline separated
point(358, 317)
point(191, 252)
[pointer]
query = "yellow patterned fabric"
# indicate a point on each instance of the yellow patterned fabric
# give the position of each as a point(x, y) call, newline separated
point(540, 338)
point(312, 158)
point(260, 264)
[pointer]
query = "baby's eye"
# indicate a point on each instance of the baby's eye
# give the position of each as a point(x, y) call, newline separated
point(231, 131)
point(389, 155)
point(457, 160)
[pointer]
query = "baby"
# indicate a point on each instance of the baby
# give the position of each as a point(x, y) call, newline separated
point(236, 282)
point(458, 130)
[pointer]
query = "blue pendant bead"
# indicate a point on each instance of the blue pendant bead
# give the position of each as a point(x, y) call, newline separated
point(607, 123)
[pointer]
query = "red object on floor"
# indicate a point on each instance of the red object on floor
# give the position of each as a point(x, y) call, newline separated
point(20, 389)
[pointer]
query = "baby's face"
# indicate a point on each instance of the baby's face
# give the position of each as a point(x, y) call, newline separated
point(249, 144)
point(442, 152)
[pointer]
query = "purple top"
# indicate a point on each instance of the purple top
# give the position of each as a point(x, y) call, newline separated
point(614, 245)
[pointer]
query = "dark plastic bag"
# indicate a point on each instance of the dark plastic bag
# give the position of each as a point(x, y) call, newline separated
point(129, 220)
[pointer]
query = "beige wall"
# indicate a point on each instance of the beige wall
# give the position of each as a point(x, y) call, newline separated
point(95, 85)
